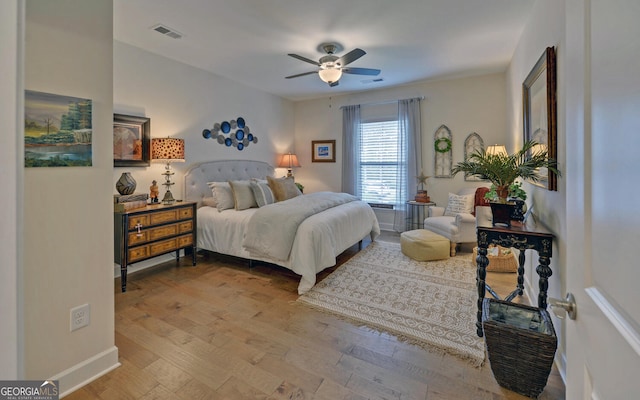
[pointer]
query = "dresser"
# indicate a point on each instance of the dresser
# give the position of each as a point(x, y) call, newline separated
point(151, 231)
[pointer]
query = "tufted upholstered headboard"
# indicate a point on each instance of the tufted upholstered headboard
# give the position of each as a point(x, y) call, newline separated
point(197, 176)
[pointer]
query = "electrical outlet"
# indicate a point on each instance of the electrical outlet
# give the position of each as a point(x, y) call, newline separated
point(80, 317)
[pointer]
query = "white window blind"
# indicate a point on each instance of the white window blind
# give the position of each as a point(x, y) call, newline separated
point(380, 162)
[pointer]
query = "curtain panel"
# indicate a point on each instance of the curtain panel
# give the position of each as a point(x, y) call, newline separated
point(351, 150)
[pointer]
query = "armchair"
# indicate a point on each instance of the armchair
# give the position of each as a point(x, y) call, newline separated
point(458, 227)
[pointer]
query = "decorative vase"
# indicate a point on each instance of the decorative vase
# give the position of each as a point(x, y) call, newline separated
point(502, 213)
point(422, 197)
point(126, 184)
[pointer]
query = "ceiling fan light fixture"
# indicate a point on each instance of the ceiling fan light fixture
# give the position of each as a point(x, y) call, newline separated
point(330, 75)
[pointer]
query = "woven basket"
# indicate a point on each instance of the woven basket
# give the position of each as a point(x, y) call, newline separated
point(521, 344)
point(505, 261)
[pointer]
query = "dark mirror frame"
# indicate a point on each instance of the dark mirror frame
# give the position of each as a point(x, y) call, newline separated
point(143, 125)
point(545, 69)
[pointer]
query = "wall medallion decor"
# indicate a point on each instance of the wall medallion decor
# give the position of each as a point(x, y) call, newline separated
point(131, 141)
point(442, 146)
point(539, 112)
point(234, 133)
point(473, 143)
point(57, 130)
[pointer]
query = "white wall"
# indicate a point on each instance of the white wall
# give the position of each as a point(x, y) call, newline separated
point(181, 101)
point(544, 28)
point(68, 210)
point(11, 89)
point(466, 105)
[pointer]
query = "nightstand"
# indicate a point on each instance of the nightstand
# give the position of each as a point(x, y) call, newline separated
point(150, 231)
point(416, 213)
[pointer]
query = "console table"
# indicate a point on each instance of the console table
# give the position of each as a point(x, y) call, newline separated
point(522, 237)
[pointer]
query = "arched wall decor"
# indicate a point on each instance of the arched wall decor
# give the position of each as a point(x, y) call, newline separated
point(234, 133)
point(472, 144)
point(442, 146)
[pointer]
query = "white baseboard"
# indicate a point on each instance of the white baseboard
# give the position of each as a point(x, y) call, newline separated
point(87, 371)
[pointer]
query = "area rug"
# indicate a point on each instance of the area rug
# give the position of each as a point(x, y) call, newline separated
point(431, 304)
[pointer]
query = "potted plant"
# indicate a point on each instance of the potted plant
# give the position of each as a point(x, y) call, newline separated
point(502, 170)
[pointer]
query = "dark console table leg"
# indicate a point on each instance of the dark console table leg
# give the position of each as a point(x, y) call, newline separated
point(521, 260)
point(123, 277)
point(544, 272)
point(482, 262)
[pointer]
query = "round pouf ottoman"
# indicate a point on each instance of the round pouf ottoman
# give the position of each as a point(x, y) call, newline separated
point(424, 245)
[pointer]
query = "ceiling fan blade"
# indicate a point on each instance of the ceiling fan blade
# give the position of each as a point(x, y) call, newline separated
point(361, 71)
point(332, 84)
point(302, 74)
point(305, 59)
point(350, 57)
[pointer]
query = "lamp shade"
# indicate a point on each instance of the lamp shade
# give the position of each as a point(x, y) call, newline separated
point(330, 75)
point(289, 161)
point(497, 150)
point(167, 149)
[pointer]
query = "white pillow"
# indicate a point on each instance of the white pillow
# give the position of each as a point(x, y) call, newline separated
point(459, 204)
point(223, 195)
point(212, 201)
point(242, 195)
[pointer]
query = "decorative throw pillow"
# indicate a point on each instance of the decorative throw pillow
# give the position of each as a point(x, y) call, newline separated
point(224, 196)
point(242, 195)
point(213, 200)
point(210, 202)
point(262, 192)
point(459, 204)
point(283, 188)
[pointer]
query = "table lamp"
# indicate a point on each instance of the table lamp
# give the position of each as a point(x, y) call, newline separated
point(289, 161)
point(167, 150)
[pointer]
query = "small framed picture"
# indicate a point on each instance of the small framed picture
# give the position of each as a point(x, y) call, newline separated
point(323, 151)
point(131, 138)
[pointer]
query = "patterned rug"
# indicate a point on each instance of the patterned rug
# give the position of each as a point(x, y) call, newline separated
point(431, 304)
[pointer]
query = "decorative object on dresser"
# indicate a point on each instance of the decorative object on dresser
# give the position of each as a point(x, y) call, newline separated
point(167, 150)
point(502, 169)
point(323, 151)
point(126, 184)
point(131, 137)
point(289, 161)
point(223, 132)
point(151, 231)
point(129, 201)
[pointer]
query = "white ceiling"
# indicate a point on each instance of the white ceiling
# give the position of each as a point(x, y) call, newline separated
point(248, 40)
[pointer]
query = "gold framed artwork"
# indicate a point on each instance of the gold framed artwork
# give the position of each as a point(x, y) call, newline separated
point(131, 141)
point(539, 112)
point(323, 151)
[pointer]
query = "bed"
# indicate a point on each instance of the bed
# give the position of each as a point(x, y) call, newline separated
point(317, 241)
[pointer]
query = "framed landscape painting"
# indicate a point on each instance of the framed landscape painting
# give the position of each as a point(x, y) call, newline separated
point(57, 130)
point(323, 151)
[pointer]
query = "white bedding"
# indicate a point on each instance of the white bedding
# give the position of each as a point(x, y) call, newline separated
point(319, 239)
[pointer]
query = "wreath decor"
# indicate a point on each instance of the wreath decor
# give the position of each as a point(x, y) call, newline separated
point(439, 141)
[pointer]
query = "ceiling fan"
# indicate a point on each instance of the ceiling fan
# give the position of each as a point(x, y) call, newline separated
point(332, 67)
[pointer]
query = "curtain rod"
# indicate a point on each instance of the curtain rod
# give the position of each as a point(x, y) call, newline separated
point(377, 103)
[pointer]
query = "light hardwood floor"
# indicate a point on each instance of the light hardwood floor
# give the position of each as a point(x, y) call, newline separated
point(223, 331)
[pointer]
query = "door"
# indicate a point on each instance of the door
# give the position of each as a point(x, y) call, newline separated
point(602, 90)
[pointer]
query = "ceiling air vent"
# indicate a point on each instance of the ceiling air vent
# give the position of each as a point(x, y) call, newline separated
point(165, 30)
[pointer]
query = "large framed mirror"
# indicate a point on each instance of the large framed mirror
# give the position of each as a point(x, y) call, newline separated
point(539, 112)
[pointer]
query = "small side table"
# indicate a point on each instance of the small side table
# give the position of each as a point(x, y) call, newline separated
point(416, 213)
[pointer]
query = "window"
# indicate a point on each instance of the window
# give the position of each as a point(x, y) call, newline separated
point(380, 163)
